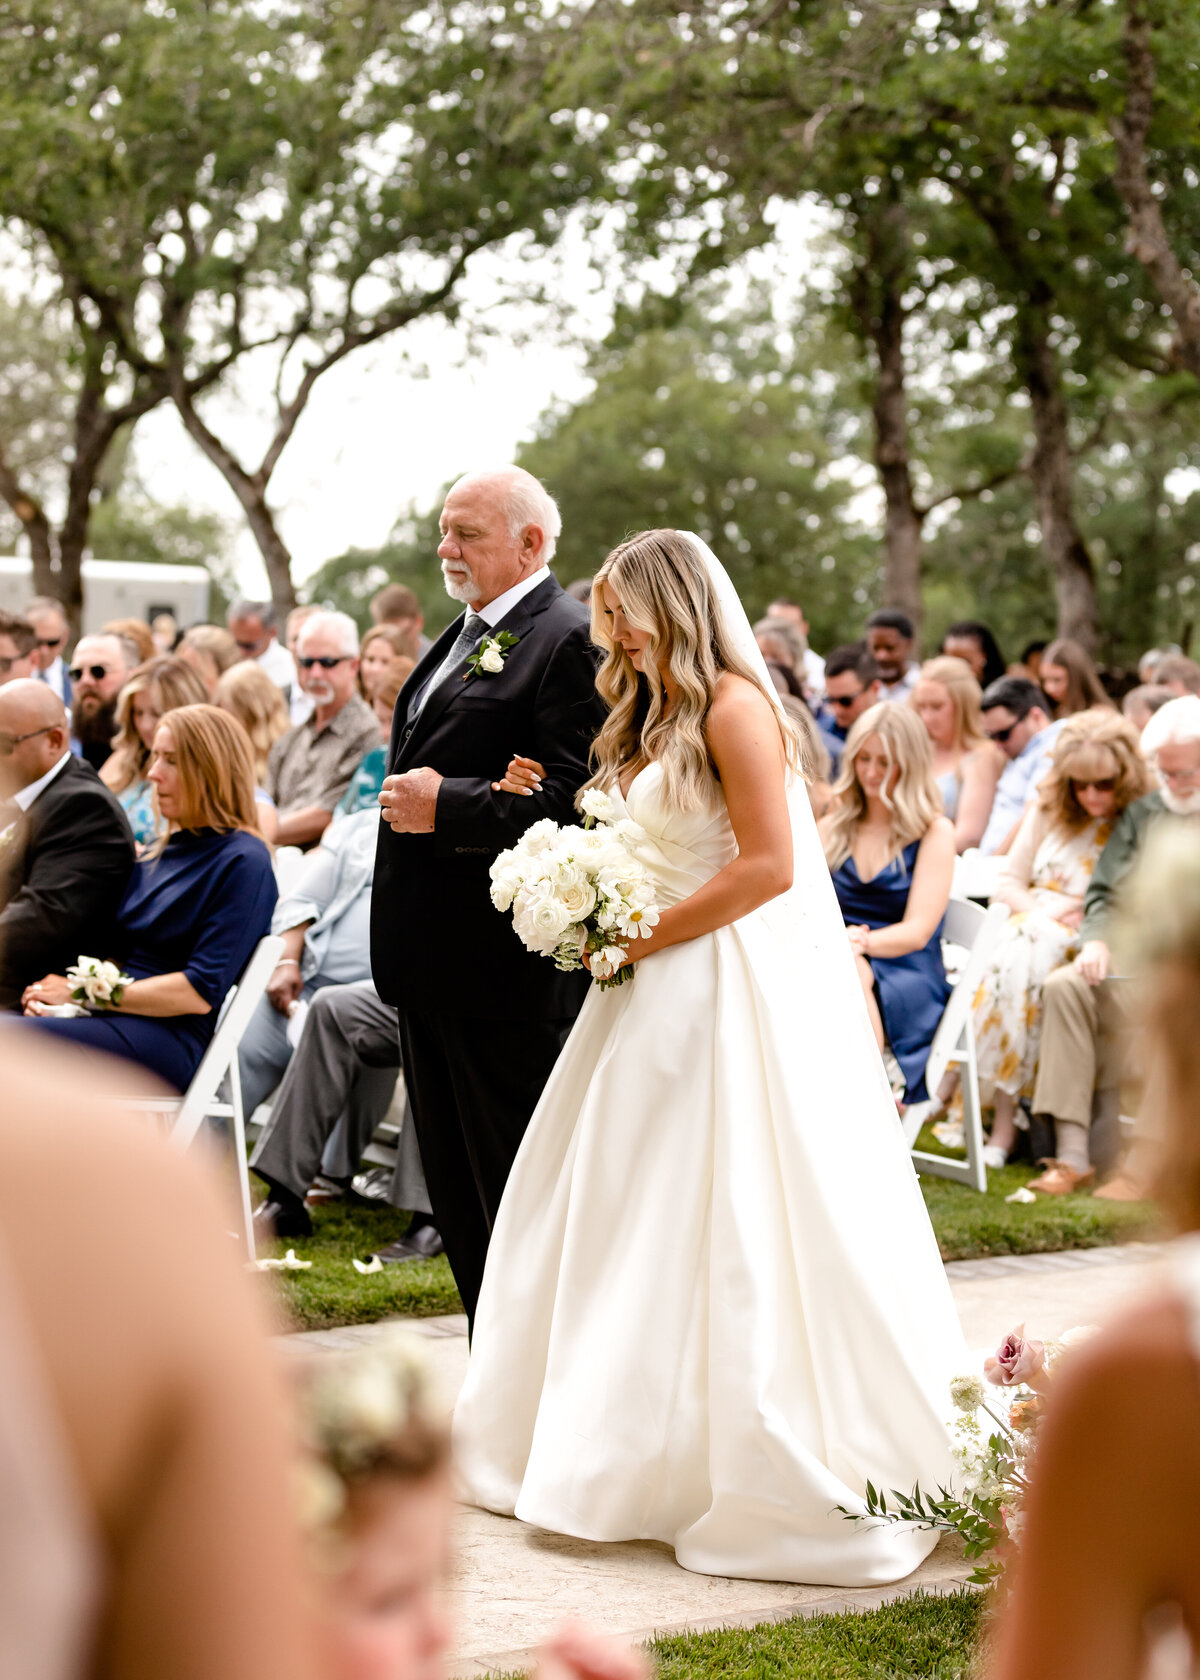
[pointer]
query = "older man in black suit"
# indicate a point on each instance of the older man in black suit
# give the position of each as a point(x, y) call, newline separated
point(481, 1019)
point(66, 852)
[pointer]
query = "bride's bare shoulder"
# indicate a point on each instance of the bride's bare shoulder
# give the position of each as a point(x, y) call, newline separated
point(737, 697)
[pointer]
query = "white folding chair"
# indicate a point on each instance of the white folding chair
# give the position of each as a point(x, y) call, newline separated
point(200, 1102)
point(975, 930)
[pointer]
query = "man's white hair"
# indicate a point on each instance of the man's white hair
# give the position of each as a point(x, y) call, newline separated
point(1177, 724)
point(342, 623)
point(526, 502)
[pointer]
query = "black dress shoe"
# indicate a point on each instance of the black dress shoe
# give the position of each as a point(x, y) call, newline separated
point(422, 1245)
point(282, 1218)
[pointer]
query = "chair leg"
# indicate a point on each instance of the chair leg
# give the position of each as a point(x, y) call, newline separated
point(972, 1112)
point(240, 1163)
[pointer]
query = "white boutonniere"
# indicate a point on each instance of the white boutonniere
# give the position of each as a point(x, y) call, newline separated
point(493, 651)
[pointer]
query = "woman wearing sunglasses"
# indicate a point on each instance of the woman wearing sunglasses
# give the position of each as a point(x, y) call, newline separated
point(1097, 770)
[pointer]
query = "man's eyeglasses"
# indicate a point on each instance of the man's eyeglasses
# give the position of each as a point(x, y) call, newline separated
point(1000, 736)
point(10, 743)
point(1102, 784)
point(1179, 775)
point(96, 672)
point(845, 699)
point(50, 641)
point(247, 647)
point(325, 660)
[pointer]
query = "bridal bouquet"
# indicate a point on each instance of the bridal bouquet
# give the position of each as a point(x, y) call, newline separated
point(576, 889)
point(100, 984)
point(994, 1442)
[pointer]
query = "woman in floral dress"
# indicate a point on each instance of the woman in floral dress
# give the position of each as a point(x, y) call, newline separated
point(1096, 771)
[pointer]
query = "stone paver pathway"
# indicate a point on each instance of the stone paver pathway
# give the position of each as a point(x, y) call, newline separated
point(515, 1583)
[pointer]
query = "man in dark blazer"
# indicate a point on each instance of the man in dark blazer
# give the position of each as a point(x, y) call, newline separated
point(66, 852)
point(482, 1020)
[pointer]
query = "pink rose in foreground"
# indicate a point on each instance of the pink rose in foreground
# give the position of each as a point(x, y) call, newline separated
point(1015, 1360)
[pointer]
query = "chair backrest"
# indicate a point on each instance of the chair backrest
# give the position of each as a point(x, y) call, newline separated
point(240, 1003)
point(976, 930)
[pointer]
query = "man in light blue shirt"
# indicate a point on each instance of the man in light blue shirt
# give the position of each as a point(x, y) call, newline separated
point(1016, 715)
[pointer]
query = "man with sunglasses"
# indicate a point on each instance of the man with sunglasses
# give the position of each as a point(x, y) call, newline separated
point(98, 673)
point(66, 852)
point(49, 621)
point(310, 767)
point(851, 688)
point(18, 647)
point(1017, 717)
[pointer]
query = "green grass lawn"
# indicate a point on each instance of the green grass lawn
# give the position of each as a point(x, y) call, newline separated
point(924, 1635)
point(968, 1225)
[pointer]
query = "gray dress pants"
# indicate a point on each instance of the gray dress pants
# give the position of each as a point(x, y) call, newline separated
point(346, 1062)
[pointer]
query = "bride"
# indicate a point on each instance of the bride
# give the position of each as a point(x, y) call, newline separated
point(713, 1306)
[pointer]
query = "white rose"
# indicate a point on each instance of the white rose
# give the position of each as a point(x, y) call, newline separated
point(598, 805)
point(540, 837)
point(540, 922)
point(491, 659)
point(578, 897)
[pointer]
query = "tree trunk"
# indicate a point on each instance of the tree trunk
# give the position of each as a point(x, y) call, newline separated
point(1051, 471)
point(876, 293)
point(36, 526)
point(1147, 238)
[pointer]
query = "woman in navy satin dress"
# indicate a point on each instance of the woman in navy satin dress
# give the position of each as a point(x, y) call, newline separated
point(891, 854)
point(192, 913)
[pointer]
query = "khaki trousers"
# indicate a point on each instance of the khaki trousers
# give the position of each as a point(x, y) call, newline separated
point(1084, 1044)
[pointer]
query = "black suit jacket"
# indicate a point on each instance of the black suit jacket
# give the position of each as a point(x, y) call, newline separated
point(63, 873)
point(437, 943)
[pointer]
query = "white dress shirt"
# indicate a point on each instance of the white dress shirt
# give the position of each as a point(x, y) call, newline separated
point(279, 665)
point(53, 676)
point(24, 797)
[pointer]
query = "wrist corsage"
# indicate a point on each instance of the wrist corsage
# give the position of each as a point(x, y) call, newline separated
point(101, 985)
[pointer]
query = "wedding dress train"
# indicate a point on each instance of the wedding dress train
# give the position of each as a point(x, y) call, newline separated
point(713, 1306)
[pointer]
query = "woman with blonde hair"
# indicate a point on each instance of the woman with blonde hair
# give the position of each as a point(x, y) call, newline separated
point(966, 765)
point(1068, 679)
point(154, 688)
point(378, 651)
point(891, 854)
point(194, 909)
point(1106, 1568)
point(210, 651)
point(247, 693)
point(1096, 771)
point(720, 1124)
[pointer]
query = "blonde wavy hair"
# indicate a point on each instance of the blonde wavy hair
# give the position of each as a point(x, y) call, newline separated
point(1098, 743)
point(958, 679)
point(216, 768)
point(247, 693)
point(915, 800)
point(665, 592)
point(169, 682)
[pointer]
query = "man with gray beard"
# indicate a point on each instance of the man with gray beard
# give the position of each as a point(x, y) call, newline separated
point(1084, 1007)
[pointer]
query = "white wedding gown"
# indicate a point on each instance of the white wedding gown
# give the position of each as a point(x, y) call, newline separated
point(713, 1307)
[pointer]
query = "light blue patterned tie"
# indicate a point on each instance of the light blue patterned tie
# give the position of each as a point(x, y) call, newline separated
point(473, 627)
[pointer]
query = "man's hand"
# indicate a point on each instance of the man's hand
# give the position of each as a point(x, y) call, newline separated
point(1093, 962)
point(409, 802)
point(284, 986)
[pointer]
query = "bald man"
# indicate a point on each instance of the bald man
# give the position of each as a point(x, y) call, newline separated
point(66, 852)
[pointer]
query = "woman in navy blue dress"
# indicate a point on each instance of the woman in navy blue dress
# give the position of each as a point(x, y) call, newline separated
point(891, 853)
point(193, 911)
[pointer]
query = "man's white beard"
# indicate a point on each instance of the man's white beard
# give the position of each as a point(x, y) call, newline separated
point(1182, 804)
point(460, 583)
point(320, 693)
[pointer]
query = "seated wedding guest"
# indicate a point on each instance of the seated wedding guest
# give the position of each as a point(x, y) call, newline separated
point(1016, 716)
point(134, 630)
point(344, 1067)
point(783, 648)
point(1068, 679)
point(1141, 703)
point(247, 693)
point(300, 705)
point(814, 754)
point(1097, 770)
point(102, 666)
point(398, 605)
point(814, 665)
point(379, 1517)
point(367, 781)
point(310, 767)
point(975, 643)
point(851, 688)
point(1030, 663)
point(18, 648)
point(891, 638)
point(380, 646)
point(1110, 1532)
point(49, 621)
point(165, 632)
point(966, 765)
point(193, 911)
point(210, 651)
point(66, 853)
point(1084, 1013)
point(154, 688)
point(1178, 673)
point(891, 854)
point(147, 1527)
point(252, 626)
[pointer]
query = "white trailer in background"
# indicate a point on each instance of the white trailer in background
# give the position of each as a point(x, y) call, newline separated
point(119, 589)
